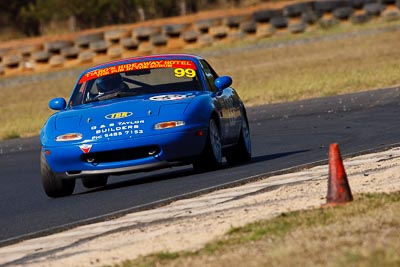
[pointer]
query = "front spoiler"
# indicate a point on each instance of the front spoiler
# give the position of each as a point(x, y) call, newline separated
point(118, 171)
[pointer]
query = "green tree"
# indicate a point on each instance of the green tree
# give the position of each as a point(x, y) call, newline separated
point(13, 14)
point(30, 16)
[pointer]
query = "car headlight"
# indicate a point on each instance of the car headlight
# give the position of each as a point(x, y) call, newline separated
point(168, 124)
point(69, 137)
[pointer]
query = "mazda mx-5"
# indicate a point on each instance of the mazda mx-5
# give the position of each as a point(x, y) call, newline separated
point(142, 114)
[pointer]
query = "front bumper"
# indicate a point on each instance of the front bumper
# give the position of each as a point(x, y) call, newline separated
point(173, 148)
point(122, 170)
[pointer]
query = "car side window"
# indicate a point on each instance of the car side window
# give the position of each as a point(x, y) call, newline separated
point(210, 74)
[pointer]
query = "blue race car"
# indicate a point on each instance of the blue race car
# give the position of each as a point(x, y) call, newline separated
point(142, 114)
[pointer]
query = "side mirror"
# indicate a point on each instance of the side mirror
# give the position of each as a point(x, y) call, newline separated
point(223, 82)
point(57, 103)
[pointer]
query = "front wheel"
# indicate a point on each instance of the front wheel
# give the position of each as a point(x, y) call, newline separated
point(241, 152)
point(53, 185)
point(211, 158)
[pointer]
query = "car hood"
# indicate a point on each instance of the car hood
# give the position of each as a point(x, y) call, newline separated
point(121, 118)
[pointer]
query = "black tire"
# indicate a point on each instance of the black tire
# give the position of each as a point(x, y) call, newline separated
point(211, 158)
point(205, 24)
point(234, 22)
point(115, 52)
point(297, 27)
point(388, 2)
point(129, 43)
point(86, 56)
point(357, 4)
point(27, 50)
point(374, 9)
point(12, 60)
point(99, 47)
point(309, 17)
point(249, 27)
point(4, 51)
point(328, 23)
point(57, 61)
point(144, 33)
point(1, 69)
point(296, 10)
point(55, 47)
point(70, 52)
point(53, 185)
point(41, 56)
point(159, 40)
point(190, 36)
point(359, 18)
point(84, 40)
point(391, 15)
point(343, 13)
point(219, 32)
point(241, 152)
point(266, 15)
point(97, 181)
point(174, 30)
point(325, 6)
point(114, 36)
point(205, 40)
point(279, 22)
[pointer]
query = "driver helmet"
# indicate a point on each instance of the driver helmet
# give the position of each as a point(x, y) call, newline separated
point(110, 84)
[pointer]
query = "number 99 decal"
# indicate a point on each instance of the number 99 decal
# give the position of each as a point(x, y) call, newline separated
point(179, 72)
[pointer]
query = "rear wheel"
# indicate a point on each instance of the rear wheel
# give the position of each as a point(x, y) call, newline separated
point(53, 185)
point(211, 157)
point(241, 152)
point(96, 181)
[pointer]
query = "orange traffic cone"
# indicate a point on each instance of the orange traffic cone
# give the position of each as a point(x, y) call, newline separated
point(338, 187)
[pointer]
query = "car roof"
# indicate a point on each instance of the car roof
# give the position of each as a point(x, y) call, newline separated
point(144, 58)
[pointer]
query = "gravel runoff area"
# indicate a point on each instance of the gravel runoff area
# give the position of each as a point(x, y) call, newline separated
point(189, 224)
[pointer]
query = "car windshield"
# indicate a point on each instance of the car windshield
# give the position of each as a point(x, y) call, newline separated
point(135, 83)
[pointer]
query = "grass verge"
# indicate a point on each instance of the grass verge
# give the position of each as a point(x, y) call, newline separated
point(290, 71)
point(25, 106)
point(362, 233)
point(286, 71)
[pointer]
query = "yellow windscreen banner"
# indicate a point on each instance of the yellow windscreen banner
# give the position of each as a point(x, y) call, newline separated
point(152, 64)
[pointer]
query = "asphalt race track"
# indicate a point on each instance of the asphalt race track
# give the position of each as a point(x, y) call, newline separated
point(283, 135)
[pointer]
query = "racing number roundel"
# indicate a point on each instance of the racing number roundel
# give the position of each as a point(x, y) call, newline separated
point(167, 97)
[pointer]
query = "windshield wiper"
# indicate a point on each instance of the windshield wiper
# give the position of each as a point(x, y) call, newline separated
point(110, 96)
point(92, 100)
point(124, 93)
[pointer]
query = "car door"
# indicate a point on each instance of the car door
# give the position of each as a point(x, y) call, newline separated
point(233, 113)
point(224, 103)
